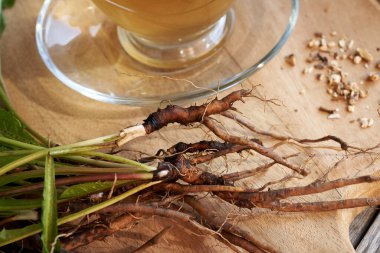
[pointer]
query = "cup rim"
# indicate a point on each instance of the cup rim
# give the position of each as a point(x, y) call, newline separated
point(178, 98)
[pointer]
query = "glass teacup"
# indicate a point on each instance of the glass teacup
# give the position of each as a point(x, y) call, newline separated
point(170, 34)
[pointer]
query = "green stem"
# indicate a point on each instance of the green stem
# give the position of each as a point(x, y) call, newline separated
point(64, 150)
point(23, 160)
point(49, 206)
point(3, 96)
point(119, 159)
point(16, 152)
point(38, 173)
point(92, 162)
point(96, 141)
point(75, 180)
point(18, 204)
point(18, 144)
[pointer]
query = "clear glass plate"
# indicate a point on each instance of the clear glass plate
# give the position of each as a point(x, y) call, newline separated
point(79, 45)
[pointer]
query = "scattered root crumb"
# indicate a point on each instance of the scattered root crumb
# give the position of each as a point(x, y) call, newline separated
point(366, 122)
point(350, 108)
point(307, 70)
point(329, 111)
point(290, 60)
point(326, 56)
point(357, 59)
point(364, 54)
point(334, 115)
point(373, 77)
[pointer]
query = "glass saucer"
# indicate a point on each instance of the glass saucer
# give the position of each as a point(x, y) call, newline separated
point(79, 45)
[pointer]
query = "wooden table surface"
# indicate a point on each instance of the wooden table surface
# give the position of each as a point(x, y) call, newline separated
point(65, 116)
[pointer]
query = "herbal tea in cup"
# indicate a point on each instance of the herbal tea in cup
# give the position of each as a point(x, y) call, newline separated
point(169, 34)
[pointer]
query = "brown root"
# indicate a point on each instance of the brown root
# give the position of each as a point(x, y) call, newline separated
point(250, 126)
point(219, 223)
point(182, 147)
point(184, 116)
point(253, 145)
point(321, 206)
point(152, 241)
point(91, 234)
point(85, 237)
point(176, 187)
point(268, 198)
point(235, 176)
point(242, 242)
point(181, 168)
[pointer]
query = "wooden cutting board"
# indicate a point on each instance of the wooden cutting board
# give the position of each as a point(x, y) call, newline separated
point(65, 116)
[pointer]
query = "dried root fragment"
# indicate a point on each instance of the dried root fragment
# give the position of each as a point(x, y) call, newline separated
point(364, 54)
point(366, 122)
point(290, 60)
point(373, 77)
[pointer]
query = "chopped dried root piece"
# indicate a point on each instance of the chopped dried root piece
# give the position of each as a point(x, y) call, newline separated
point(364, 54)
point(366, 122)
point(290, 60)
point(373, 77)
point(357, 59)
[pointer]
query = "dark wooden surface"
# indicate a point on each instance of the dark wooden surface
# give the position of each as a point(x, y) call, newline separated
point(370, 243)
point(365, 231)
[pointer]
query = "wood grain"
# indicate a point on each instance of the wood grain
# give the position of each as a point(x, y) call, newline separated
point(65, 116)
point(360, 225)
point(371, 241)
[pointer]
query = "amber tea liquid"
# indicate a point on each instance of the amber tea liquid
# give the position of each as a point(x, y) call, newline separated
point(165, 22)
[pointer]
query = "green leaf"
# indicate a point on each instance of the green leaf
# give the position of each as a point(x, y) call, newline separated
point(12, 128)
point(80, 190)
point(2, 22)
point(8, 156)
point(7, 159)
point(24, 160)
point(21, 214)
point(49, 207)
point(7, 3)
point(9, 204)
point(8, 236)
point(4, 4)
